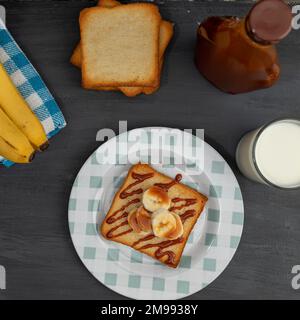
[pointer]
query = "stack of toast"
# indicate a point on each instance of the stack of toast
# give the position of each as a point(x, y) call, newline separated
point(122, 47)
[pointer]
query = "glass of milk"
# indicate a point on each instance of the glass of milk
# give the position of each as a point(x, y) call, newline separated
point(271, 154)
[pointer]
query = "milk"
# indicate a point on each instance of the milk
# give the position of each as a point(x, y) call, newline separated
point(271, 154)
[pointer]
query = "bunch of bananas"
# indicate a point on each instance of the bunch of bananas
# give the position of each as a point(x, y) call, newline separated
point(21, 132)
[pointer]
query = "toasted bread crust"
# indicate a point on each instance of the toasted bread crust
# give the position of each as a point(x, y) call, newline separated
point(177, 190)
point(95, 76)
point(167, 35)
point(108, 3)
point(76, 56)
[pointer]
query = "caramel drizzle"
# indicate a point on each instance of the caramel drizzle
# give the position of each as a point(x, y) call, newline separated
point(111, 219)
point(139, 179)
point(159, 253)
point(110, 235)
point(162, 245)
point(167, 186)
point(123, 195)
point(187, 203)
point(148, 237)
point(187, 214)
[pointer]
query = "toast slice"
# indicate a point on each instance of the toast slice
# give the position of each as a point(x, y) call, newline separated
point(120, 45)
point(185, 201)
point(165, 36)
point(76, 57)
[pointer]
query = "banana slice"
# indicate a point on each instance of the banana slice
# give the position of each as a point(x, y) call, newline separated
point(144, 219)
point(155, 198)
point(178, 232)
point(163, 223)
point(132, 221)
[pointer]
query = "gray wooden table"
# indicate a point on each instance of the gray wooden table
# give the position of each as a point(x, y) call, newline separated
point(35, 246)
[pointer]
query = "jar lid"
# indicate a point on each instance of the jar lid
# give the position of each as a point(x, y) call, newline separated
point(270, 20)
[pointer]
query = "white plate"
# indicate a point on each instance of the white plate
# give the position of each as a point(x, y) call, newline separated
point(211, 244)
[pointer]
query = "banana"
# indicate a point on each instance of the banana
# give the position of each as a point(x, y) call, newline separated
point(178, 232)
point(155, 198)
point(167, 224)
point(19, 112)
point(132, 221)
point(163, 223)
point(14, 145)
point(10, 153)
point(139, 220)
point(143, 219)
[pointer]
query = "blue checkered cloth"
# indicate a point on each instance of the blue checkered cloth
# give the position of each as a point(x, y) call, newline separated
point(30, 85)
